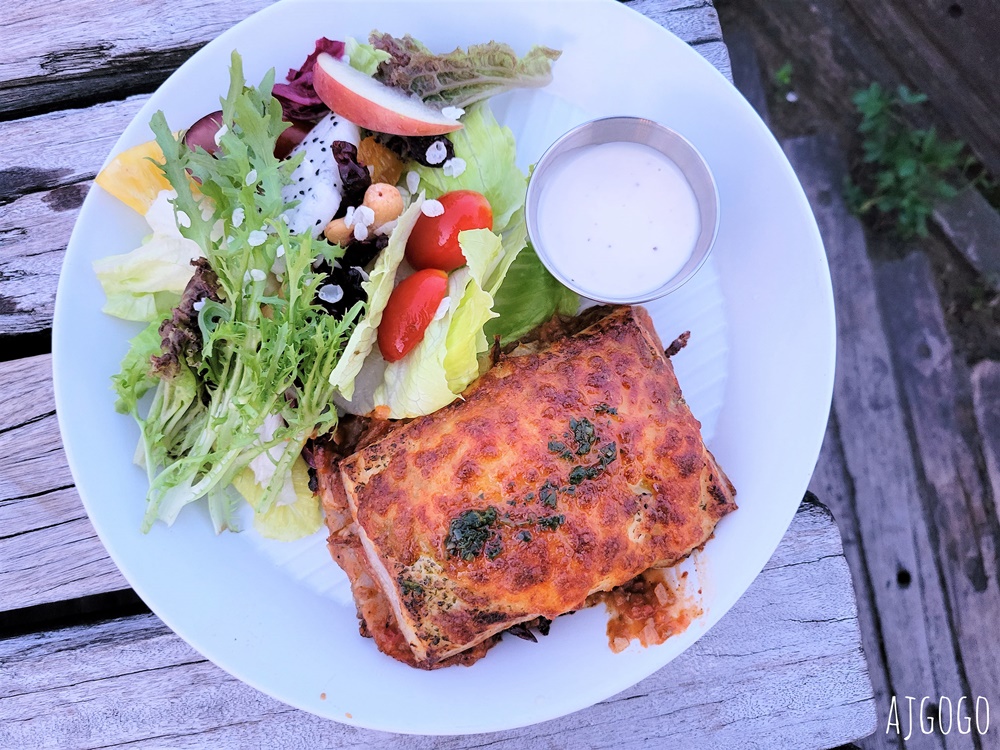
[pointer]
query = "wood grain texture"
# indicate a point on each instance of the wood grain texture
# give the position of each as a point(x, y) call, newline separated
point(41, 190)
point(831, 482)
point(34, 232)
point(840, 46)
point(949, 56)
point(963, 527)
point(46, 152)
point(972, 226)
point(986, 401)
point(877, 454)
point(696, 23)
point(48, 549)
point(782, 669)
point(61, 52)
point(747, 76)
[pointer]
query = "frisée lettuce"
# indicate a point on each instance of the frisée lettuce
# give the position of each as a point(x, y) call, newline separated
point(261, 353)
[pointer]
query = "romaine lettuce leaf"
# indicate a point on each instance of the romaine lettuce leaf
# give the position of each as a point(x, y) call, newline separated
point(465, 340)
point(490, 168)
point(447, 359)
point(146, 283)
point(528, 295)
point(378, 288)
point(417, 384)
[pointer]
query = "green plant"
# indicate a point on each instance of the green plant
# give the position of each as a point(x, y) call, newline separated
point(783, 76)
point(903, 171)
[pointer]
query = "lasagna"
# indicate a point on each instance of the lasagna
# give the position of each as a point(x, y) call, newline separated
point(571, 467)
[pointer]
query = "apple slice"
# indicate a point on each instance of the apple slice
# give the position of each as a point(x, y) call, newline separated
point(373, 105)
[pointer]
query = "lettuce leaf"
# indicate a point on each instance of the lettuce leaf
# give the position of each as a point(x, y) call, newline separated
point(446, 360)
point(364, 57)
point(465, 340)
point(462, 77)
point(147, 283)
point(528, 296)
point(417, 384)
point(490, 167)
point(134, 380)
point(296, 512)
point(297, 96)
point(378, 288)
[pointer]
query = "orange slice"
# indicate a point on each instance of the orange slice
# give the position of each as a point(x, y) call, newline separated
point(384, 164)
point(133, 179)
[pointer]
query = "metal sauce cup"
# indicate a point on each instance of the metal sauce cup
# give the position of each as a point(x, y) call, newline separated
point(648, 133)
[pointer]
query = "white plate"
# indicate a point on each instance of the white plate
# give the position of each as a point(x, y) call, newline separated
point(758, 373)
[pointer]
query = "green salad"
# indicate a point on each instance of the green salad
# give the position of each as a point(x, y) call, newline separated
point(349, 241)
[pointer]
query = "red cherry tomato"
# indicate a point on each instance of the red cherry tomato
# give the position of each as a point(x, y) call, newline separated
point(434, 240)
point(409, 311)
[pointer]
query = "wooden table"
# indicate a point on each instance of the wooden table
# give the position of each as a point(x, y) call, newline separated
point(84, 664)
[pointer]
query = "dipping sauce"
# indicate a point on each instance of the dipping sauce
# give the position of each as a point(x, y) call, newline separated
point(617, 219)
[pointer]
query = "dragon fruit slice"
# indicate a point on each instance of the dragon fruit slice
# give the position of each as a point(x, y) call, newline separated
point(316, 181)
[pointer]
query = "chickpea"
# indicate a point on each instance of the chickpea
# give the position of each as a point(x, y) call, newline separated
point(338, 232)
point(385, 200)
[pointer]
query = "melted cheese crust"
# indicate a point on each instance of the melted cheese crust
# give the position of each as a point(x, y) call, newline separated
point(574, 511)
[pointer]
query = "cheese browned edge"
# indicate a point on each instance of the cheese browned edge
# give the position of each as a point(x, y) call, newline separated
point(657, 499)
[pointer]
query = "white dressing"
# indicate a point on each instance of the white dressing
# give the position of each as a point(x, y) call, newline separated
point(617, 219)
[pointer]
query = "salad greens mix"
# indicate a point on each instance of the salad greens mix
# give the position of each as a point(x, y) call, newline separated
point(242, 359)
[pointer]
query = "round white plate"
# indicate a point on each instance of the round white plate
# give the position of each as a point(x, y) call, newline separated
point(758, 373)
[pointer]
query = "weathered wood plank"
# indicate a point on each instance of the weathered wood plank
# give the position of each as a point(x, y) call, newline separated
point(893, 530)
point(839, 46)
point(949, 55)
point(831, 482)
point(64, 52)
point(986, 401)
point(962, 527)
point(48, 549)
point(972, 226)
point(41, 189)
point(695, 23)
point(34, 232)
point(798, 681)
point(747, 72)
point(61, 148)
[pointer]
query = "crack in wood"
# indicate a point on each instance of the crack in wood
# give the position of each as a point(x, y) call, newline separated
point(705, 40)
point(33, 420)
point(31, 495)
point(67, 686)
point(36, 529)
point(780, 566)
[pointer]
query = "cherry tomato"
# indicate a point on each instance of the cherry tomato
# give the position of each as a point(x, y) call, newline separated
point(434, 240)
point(409, 311)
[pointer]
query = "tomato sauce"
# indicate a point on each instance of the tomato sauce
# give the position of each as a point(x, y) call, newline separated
point(649, 608)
